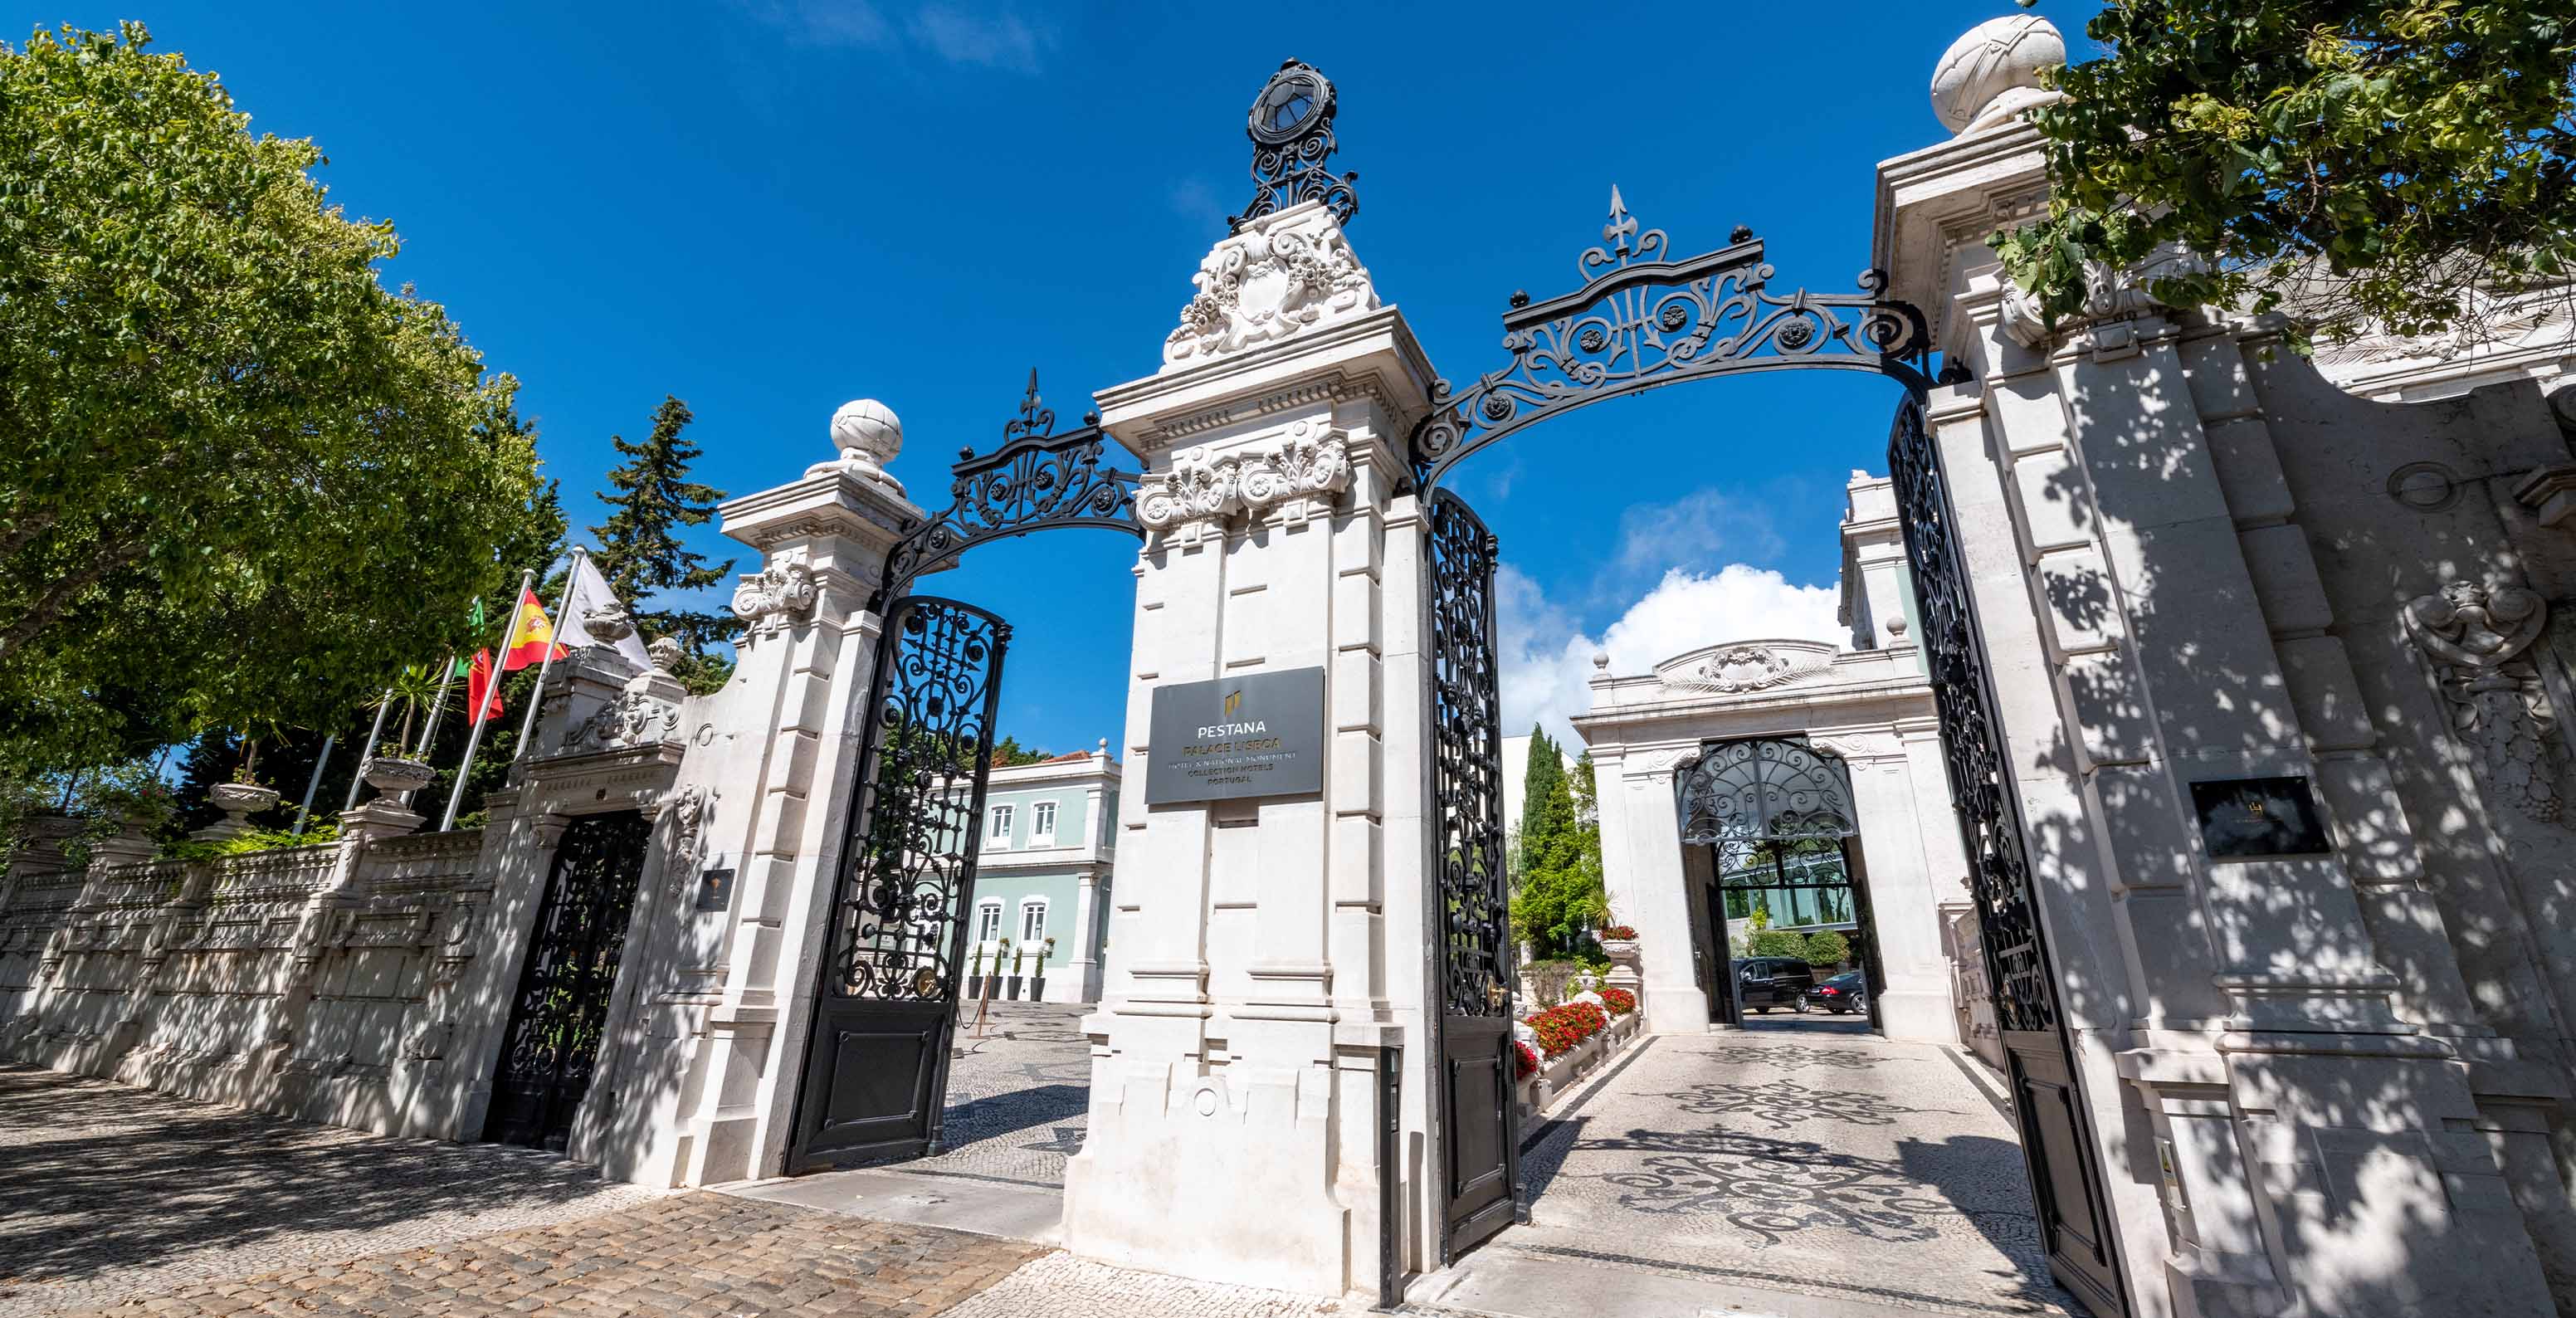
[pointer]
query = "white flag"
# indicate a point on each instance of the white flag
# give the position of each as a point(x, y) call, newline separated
point(588, 590)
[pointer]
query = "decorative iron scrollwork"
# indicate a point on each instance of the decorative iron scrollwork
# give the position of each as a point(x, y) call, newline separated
point(1765, 790)
point(1035, 480)
point(1291, 128)
point(1475, 941)
point(1641, 320)
point(1999, 876)
point(898, 922)
point(561, 1011)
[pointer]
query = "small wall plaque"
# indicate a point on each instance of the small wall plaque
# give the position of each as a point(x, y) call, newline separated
point(715, 889)
point(1259, 734)
point(2251, 818)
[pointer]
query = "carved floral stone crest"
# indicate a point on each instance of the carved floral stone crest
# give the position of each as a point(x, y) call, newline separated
point(2479, 641)
point(1267, 283)
point(1748, 666)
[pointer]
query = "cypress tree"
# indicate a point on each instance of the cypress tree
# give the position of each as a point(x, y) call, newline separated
point(639, 548)
point(1559, 894)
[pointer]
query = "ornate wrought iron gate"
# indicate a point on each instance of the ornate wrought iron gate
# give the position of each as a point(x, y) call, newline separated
point(2056, 1134)
point(1471, 955)
point(876, 1070)
point(552, 1044)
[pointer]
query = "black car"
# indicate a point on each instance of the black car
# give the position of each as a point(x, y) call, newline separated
point(1846, 992)
point(1764, 982)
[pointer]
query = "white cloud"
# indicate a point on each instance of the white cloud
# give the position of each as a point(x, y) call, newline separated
point(996, 39)
point(1547, 658)
point(1704, 526)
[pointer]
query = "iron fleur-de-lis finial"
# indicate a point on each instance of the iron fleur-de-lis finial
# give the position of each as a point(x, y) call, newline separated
point(1035, 417)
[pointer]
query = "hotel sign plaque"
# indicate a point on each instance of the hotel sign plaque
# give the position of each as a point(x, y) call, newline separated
point(1257, 734)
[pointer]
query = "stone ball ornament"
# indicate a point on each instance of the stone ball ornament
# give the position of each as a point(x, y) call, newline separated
point(869, 435)
point(1994, 71)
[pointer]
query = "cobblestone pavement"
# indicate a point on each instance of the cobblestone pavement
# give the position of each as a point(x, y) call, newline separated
point(1019, 1099)
point(680, 1254)
point(1819, 1159)
point(1062, 1286)
point(108, 1190)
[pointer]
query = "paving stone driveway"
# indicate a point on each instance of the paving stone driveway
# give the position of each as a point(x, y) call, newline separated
point(1804, 1156)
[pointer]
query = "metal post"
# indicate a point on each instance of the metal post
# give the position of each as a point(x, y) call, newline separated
point(304, 808)
point(365, 754)
point(537, 696)
point(437, 706)
point(483, 707)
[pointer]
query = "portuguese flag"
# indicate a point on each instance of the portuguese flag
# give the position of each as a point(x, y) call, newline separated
point(478, 679)
point(533, 640)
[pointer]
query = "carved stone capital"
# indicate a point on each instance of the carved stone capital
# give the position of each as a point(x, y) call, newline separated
point(1189, 502)
point(1303, 477)
point(779, 594)
point(2110, 293)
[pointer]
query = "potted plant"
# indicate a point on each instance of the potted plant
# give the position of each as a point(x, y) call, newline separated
point(1011, 985)
point(1037, 985)
point(392, 768)
point(975, 972)
point(245, 794)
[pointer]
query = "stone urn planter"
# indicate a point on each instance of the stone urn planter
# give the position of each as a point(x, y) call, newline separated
point(394, 775)
point(238, 801)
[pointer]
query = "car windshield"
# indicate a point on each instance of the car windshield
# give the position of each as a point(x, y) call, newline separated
point(1849, 979)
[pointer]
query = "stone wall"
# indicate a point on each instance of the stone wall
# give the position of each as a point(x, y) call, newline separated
point(309, 982)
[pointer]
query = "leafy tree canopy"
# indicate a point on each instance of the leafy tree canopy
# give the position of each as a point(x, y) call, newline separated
point(640, 551)
point(243, 481)
point(2353, 162)
point(1560, 895)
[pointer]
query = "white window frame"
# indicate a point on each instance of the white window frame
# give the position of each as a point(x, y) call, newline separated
point(1027, 938)
point(988, 920)
point(997, 825)
point(1042, 823)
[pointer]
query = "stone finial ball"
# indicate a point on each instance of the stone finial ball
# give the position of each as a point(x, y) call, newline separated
point(1994, 70)
point(867, 432)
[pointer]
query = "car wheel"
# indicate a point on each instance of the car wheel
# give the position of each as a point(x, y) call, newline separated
point(1802, 1006)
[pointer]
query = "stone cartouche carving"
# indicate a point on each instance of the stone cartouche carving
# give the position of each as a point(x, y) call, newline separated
point(1267, 283)
point(2479, 641)
point(775, 595)
point(1302, 478)
point(688, 812)
point(1743, 668)
point(634, 717)
point(1190, 501)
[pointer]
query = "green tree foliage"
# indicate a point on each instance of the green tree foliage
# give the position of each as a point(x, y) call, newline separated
point(241, 479)
point(1560, 897)
point(640, 551)
point(1779, 942)
point(1827, 948)
point(2357, 160)
point(1008, 752)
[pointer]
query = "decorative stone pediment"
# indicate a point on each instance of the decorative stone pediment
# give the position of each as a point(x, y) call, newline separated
point(1279, 275)
point(1741, 666)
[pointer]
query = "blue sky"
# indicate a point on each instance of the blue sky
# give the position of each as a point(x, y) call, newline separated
point(768, 207)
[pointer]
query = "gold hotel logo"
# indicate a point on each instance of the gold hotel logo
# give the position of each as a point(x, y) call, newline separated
point(1233, 702)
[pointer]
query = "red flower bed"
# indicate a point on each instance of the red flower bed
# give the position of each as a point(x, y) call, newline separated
point(1620, 1001)
point(1560, 1028)
point(1526, 1061)
point(1619, 931)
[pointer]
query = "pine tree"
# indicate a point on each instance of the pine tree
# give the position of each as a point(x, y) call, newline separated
point(640, 550)
point(1560, 894)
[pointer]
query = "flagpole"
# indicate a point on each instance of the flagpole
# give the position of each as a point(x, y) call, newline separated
point(374, 730)
point(528, 721)
point(437, 707)
point(304, 809)
point(482, 708)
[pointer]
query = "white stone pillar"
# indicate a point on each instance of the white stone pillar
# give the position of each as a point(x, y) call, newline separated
point(1641, 819)
point(1235, 1114)
point(729, 997)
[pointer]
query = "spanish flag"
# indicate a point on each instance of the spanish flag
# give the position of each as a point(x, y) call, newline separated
point(535, 636)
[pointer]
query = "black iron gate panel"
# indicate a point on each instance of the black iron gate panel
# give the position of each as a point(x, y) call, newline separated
point(552, 1043)
point(1472, 946)
point(2056, 1133)
point(876, 1067)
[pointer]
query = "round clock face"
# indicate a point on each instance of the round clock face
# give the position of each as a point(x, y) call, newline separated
point(1289, 105)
